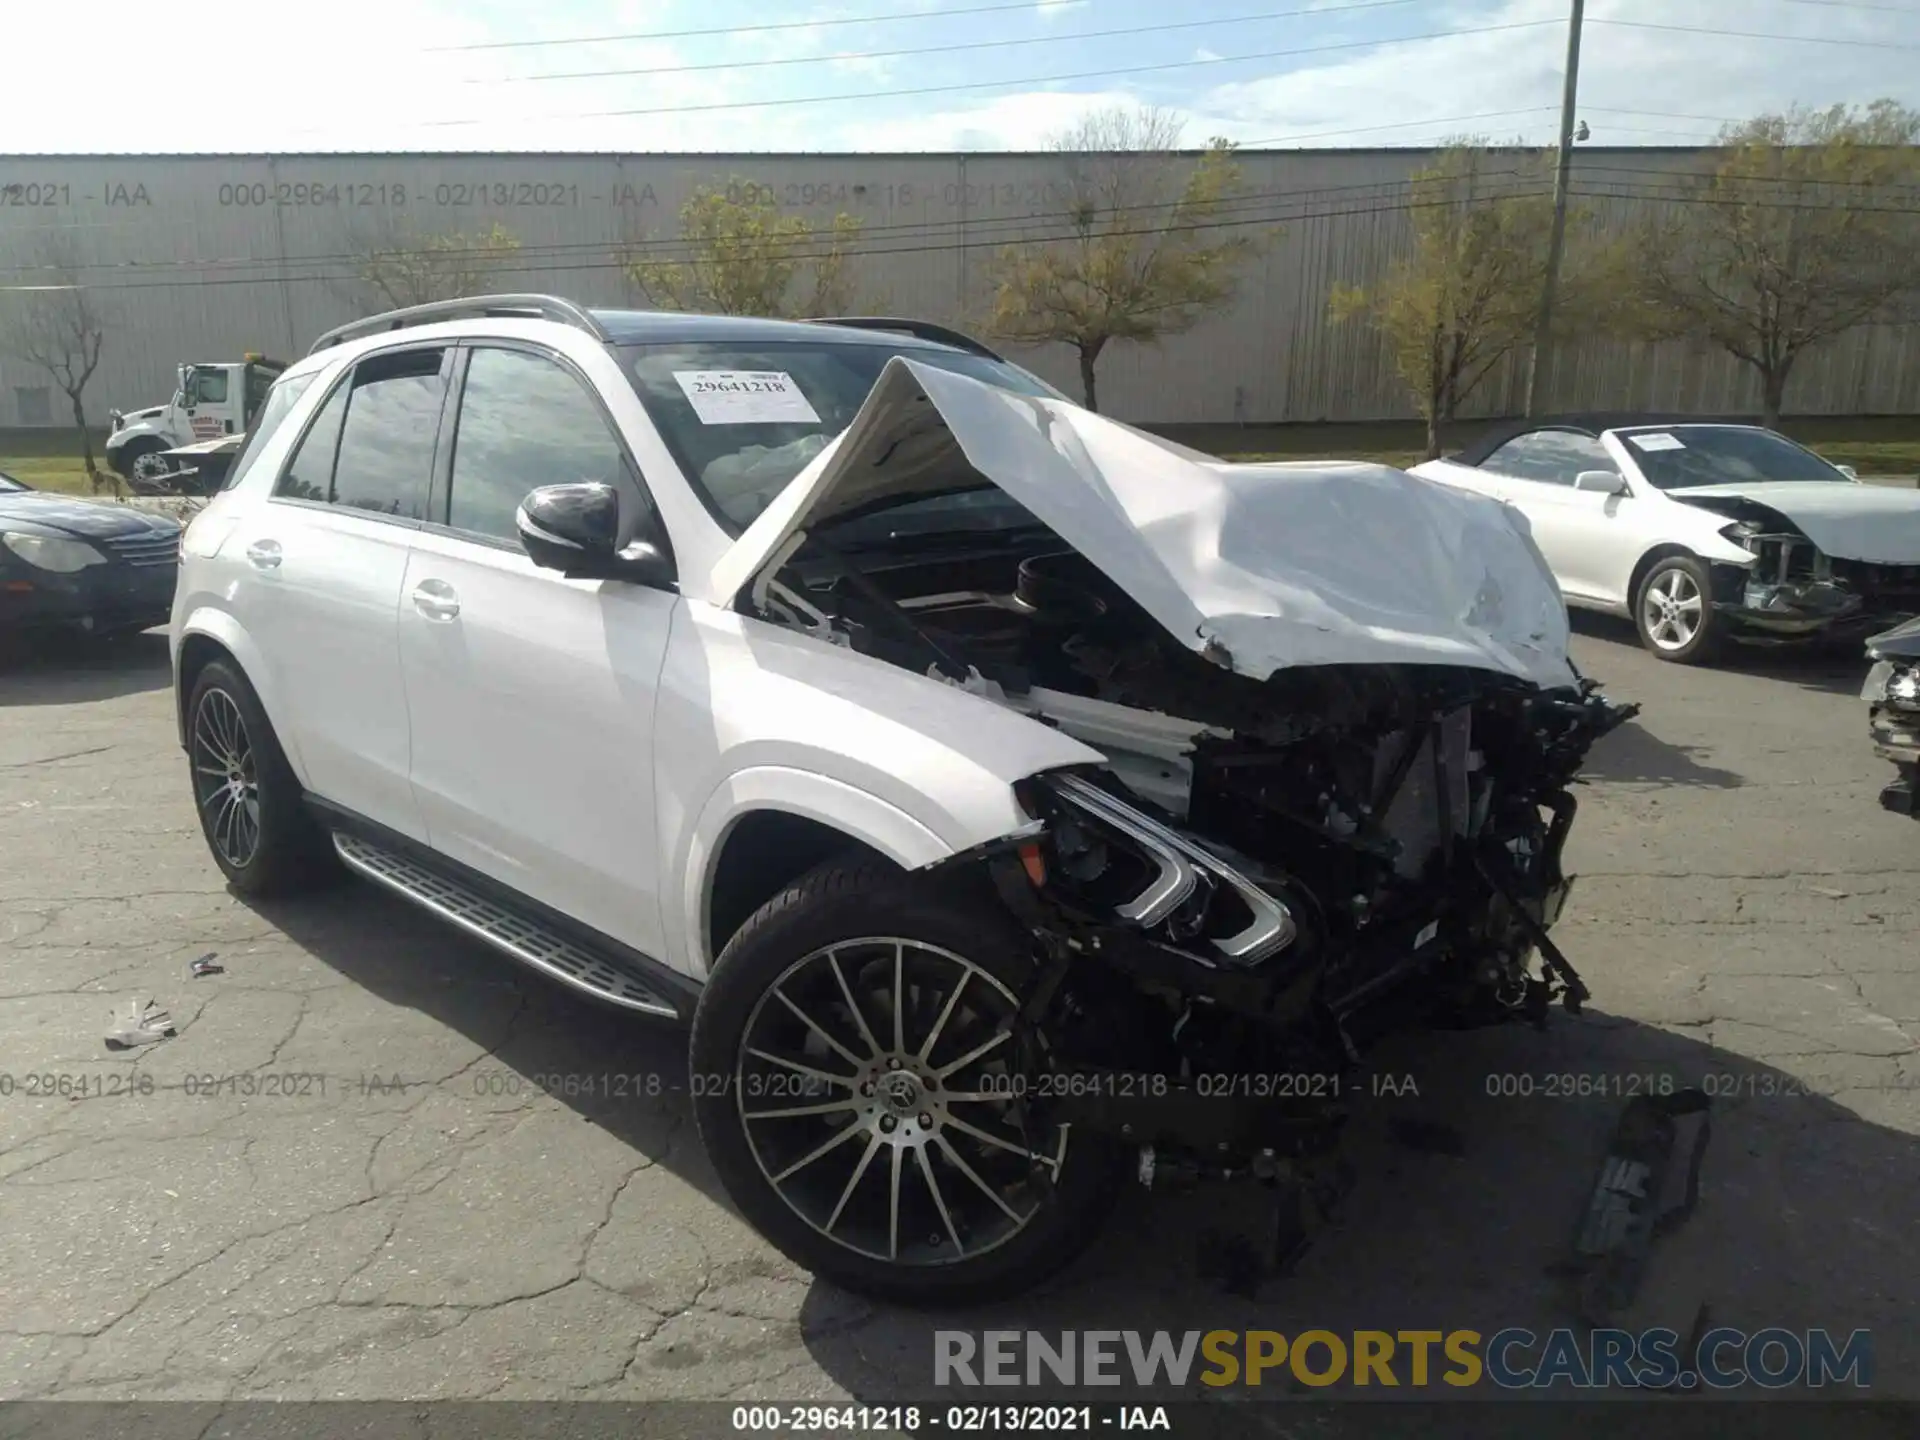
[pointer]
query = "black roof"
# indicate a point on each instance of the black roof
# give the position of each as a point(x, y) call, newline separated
point(668, 327)
point(1589, 423)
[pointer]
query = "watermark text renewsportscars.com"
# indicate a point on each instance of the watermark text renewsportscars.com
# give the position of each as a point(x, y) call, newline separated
point(1514, 1358)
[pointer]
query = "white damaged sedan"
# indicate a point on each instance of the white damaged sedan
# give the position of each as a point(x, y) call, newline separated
point(1703, 531)
point(1010, 801)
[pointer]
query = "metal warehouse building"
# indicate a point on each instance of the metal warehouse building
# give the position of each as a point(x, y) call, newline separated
point(207, 257)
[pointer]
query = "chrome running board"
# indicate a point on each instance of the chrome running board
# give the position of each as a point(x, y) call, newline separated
point(526, 940)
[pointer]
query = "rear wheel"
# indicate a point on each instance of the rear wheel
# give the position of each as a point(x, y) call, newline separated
point(858, 1087)
point(1674, 611)
point(251, 811)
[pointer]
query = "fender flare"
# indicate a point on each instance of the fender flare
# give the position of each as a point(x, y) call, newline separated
point(220, 627)
point(856, 813)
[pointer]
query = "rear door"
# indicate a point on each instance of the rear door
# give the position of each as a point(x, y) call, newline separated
point(321, 569)
point(532, 695)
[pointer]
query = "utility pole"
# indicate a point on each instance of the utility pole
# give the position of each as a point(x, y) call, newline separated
point(1541, 362)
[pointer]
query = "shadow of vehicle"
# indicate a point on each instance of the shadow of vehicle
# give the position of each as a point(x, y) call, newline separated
point(1805, 1219)
point(1831, 668)
point(1827, 669)
point(1634, 755)
point(71, 669)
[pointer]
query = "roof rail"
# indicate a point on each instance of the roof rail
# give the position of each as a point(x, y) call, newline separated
point(919, 329)
point(472, 307)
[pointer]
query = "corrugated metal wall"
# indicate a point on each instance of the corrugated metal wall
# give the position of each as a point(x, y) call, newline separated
point(205, 257)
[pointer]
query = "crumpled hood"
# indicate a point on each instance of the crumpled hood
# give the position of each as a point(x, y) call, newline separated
point(1848, 520)
point(89, 520)
point(1278, 565)
point(1901, 642)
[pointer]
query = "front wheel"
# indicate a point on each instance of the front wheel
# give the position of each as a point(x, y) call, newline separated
point(142, 460)
point(1674, 611)
point(858, 1086)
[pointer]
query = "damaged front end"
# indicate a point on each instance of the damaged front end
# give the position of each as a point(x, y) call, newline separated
point(1892, 692)
point(1795, 591)
point(1338, 726)
point(1212, 977)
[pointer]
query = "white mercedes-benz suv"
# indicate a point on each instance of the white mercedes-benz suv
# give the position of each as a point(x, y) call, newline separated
point(1010, 800)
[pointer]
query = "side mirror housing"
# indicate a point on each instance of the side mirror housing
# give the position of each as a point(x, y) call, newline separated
point(1604, 482)
point(575, 529)
point(1848, 471)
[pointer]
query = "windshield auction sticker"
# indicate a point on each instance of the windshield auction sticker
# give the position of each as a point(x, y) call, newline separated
point(745, 397)
point(1660, 440)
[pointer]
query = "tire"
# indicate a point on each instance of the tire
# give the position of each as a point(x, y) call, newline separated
point(940, 1238)
point(127, 462)
point(249, 801)
point(1682, 627)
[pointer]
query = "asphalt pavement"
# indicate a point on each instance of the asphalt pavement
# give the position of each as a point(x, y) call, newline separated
point(378, 1161)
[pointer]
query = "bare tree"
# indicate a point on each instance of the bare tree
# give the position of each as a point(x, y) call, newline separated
point(54, 323)
point(1148, 250)
point(1806, 228)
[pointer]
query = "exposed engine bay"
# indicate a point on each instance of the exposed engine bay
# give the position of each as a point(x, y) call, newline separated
point(1266, 876)
point(1793, 588)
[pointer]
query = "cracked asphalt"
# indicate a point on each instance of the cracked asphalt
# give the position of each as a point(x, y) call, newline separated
point(377, 1161)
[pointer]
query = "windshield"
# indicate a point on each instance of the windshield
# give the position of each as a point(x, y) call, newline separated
point(1688, 455)
point(743, 419)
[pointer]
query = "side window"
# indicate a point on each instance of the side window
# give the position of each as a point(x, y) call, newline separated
point(526, 422)
point(207, 387)
point(386, 445)
point(309, 474)
point(280, 401)
point(1552, 457)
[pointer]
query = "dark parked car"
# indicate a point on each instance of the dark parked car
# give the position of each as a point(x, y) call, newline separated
point(83, 565)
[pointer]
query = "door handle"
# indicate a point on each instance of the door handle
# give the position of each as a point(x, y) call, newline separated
point(264, 554)
point(436, 600)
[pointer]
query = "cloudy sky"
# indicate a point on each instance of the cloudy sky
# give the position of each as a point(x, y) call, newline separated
point(752, 75)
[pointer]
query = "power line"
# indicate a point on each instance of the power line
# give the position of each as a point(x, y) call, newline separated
point(946, 49)
point(1852, 5)
point(1666, 114)
point(925, 229)
point(751, 29)
point(916, 229)
point(707, 106)
point(1757, 35)
point(1396, 125)
point(146, 225)
point(611, 263)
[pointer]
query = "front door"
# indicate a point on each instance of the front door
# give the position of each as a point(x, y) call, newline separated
point(532, 695)
point(215, 401)
point(1590, 538)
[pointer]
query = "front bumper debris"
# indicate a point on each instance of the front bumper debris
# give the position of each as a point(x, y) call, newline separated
point(1625, 1213)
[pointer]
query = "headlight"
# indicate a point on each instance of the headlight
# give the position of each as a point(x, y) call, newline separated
point(47, 552)
point(1903, 688)
point(1123, 860)
point(1741, 533)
